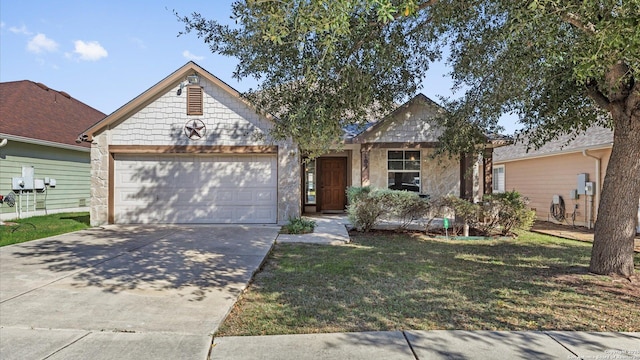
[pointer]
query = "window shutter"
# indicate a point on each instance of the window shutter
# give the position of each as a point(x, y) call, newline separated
point(194, 100)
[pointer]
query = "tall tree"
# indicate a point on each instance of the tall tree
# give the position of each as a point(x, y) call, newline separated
point(560, 65)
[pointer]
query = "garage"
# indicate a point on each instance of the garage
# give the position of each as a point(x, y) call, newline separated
point(195, 188)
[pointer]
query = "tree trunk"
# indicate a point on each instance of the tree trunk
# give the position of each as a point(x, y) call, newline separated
point(615, 228)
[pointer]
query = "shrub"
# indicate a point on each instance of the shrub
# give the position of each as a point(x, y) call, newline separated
point(465, 211)
point(299, 226)
point(404, 206)
point(500, 213)
point(364, 209)
point(357, 193)
point(367, 207)
point(507, 212)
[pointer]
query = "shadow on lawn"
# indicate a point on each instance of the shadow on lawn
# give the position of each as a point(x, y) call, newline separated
point(153, 258)
point(397, 282)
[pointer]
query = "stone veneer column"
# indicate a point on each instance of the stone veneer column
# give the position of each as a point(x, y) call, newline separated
point(289, 180)
point(99, 204)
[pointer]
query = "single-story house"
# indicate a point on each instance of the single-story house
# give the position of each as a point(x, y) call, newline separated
point(555, 177)
point(191, 149)
point(41, 165)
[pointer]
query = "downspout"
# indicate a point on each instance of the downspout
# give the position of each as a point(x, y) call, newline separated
point(598, 187)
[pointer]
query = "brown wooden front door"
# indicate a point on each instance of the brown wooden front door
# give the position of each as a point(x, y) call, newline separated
point(333, 183)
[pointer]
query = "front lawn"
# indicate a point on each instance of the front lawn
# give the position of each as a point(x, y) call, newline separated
point(37, 227)
point(401, 281)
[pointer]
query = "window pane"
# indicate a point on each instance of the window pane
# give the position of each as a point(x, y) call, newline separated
point(395, 165)
point(412, 155)
point(397, 155)
point(310, 182)
point(404, 181)
point(412, 165)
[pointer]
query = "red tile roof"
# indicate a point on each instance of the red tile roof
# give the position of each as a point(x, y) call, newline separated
point(32, 110)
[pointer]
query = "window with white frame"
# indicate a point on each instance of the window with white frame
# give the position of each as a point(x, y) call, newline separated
point(498, 179)
point(403, 168)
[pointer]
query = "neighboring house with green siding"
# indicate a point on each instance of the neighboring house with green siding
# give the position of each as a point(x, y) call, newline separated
point(41, 164)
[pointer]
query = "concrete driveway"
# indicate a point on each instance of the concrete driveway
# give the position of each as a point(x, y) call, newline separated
point(125, 292)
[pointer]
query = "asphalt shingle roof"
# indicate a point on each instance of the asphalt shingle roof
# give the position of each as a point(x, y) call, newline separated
point(32, 110)
point(595, 136)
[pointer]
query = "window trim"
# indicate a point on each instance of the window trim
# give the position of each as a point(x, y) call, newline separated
point(404, 160)
point(496, 183)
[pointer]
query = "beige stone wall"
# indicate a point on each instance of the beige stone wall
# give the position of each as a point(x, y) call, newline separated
point(438, 176)
point(99, 203)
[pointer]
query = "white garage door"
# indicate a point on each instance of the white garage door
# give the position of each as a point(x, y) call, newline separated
point(181, 189)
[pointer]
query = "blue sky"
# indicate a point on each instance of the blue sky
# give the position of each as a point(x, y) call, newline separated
point(105, 53)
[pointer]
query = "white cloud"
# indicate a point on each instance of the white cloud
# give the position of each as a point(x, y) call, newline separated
point(89, 51)
point(19, 30)
point(40, 43)
point(189, 56)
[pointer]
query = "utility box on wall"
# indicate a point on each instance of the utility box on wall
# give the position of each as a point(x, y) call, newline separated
point(589, 188)
point(582, 182)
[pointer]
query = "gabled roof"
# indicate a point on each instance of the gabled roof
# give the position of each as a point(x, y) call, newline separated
point(155, 92)
point(33, 111)
point(377, 125)
point(595, 137)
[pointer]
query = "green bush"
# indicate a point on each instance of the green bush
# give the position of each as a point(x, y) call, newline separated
point(299, 226)
point(357, 193)
point(367, 207)
point(465, 211)
point(501, 213)
point(403, 206)
point(507, 212)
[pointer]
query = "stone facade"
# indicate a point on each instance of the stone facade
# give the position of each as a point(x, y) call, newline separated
point(411, 127)
point(438, 176)
point(99, 203)
point(229, 121)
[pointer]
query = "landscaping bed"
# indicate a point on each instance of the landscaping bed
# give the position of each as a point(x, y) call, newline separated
point(393, 281)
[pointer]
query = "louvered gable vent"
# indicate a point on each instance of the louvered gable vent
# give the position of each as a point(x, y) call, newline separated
point(194, 100)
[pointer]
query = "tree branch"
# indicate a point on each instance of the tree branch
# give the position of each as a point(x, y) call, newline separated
point(597, 96)
point(574, 20)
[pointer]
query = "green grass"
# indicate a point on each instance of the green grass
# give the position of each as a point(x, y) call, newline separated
point(38, 227)
point(401, 281)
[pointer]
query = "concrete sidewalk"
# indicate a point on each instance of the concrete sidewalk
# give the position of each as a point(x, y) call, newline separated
point(330, 230)
point(438, 344)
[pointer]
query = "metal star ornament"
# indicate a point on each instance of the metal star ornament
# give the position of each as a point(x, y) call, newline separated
point(195, 129)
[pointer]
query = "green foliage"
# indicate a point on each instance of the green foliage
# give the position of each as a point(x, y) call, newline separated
point(367, 207)
point(357, 193)
point(299, 226)
point(326, 64)
point(508, 211)
point(465, 211)
point(405, 206)
point(502, 213)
